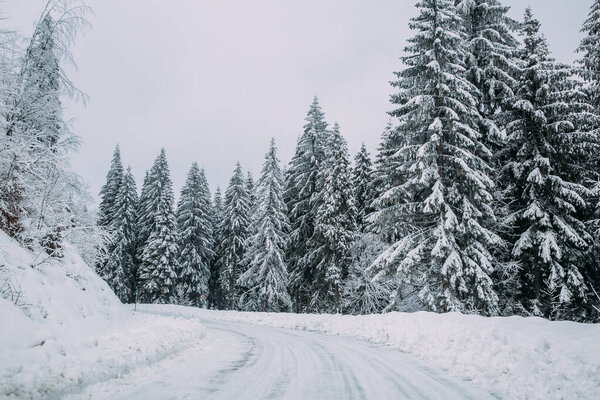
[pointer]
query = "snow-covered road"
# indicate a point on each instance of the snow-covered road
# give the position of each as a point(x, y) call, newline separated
point(241, 361)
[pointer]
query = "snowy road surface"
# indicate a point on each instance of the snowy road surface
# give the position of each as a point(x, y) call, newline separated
point(241, 361)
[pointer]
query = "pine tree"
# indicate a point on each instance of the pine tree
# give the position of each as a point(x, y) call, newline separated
point(266, 278)
point(299, 196)
point(362, 177)
point(334, 228)
point(145, 221)
point(492, 62)
point(384, 188)
point(215, 299)
point(545, 153)
point(195, 236)
point(234, 231)
point(119, 271)
point(590, 62)
point(159, 264)
point(109, 192)
point(443, 193)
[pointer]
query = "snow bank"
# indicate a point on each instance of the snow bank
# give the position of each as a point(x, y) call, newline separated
point(512, 358)
point(62, 328)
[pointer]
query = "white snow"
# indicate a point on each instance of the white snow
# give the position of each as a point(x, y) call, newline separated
point(68, 330)
point(511, 357)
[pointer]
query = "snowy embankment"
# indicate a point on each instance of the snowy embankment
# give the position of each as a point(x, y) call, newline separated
point(512, 358)
point(62, 328)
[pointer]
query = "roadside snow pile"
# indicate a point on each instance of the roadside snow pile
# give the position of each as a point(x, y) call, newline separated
point(512, 358)
point(62, 328)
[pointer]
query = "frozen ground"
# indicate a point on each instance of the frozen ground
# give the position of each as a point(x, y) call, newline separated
point(63, 334)
point(511, 358)
point(244, 361)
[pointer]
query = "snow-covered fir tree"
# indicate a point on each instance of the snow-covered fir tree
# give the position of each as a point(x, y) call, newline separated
point(145, 222)
point(195, 234)
point(158, 263)
point(589, 64)
point(266, 278)
point(384, 187)
point(300, 196)
point(546, 152)
point(362, 185)
point(443, 195)
point(109, 192)
point(119, 270)
point(234, 232)
point(214, 287)
point(492, 62)
point(334, 226)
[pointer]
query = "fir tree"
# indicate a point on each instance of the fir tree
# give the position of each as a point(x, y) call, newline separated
point(443, 193)
point(159, 252)
point(362, 177)
point(329, 246)
point(215, 299)
point(545, 153)
point(299, 196)
point(108, 192)
point(384, 188)
point(145, 221)
point(266, 278)
point(492, 62)
point(234, 231)
point(119, 270)
point(590, 62)
point(195, 237)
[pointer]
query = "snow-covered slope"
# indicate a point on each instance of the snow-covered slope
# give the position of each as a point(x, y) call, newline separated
point(512, 358)
point(62, 328)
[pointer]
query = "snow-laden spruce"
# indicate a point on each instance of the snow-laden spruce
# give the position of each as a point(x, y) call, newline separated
point(234, 232)
point(119, 269)
point(299, 196)
point(443, 194)
point(362, 186)
point(158, 261)
point(546, 155)
point(214, 288)
point(266, 279)
point(195, 235)
point(334, 226)
point(590, 61)
point(492, 63)
point(110, 190)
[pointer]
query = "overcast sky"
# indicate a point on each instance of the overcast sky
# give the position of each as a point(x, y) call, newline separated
point(213, 80)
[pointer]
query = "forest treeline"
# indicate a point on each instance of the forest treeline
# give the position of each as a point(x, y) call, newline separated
point(482, 197)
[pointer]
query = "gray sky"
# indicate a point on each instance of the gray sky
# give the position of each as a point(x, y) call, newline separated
point(213, 80)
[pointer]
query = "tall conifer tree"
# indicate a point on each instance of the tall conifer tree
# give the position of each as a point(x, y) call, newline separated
point(444, 191)
point(329, 246)
point(362, 185)
point(195, 237)
point(546, 152)
point(234, 231)
point(266, 279)
point(159, 266)
point(300, 197)
point(119, 270)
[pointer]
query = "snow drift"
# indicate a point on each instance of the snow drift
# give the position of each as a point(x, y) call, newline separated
point(511, 357)
point(62, 328)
